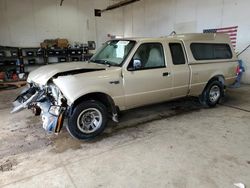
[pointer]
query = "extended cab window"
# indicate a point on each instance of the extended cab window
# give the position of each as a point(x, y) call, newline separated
point(177, 53)
point(208, 51)
point(150, 55)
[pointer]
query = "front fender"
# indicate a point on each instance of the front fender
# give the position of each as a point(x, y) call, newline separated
point(75, 86)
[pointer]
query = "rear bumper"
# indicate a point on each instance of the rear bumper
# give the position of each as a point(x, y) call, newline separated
point(231, 80)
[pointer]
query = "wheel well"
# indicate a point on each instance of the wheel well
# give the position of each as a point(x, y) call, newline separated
point(219, 78)
point(101, 97)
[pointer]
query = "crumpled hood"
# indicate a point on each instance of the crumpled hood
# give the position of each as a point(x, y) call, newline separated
point(44, 73)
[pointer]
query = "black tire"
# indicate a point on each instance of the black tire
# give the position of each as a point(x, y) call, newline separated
point(207, 96)
point(74, 126)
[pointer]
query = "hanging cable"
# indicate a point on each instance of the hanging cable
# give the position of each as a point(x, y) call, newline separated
point(61, 2)
point(243, 50)
point(172, 33)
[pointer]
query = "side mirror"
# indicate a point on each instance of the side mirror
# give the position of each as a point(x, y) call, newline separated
point(137, 64)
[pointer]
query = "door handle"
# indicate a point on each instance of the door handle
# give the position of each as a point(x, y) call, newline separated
point(166, 74)
point(114, 82)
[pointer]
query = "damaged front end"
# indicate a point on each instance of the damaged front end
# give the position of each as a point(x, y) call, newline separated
point(46, 101)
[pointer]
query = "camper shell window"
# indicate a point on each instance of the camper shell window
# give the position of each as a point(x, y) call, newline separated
point(209, 51)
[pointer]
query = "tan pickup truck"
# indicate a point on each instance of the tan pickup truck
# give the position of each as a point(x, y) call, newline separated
point(128, 73)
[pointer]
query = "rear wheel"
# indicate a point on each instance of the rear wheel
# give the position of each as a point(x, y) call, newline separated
point(213, 93)
point(88, 120)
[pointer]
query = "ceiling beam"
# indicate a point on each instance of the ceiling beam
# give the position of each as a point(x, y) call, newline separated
point(120, 4)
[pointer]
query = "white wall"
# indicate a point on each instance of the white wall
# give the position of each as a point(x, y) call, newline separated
point(28, 22)
point(160, 17)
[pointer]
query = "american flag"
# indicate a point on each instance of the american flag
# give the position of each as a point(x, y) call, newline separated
point(231, 31)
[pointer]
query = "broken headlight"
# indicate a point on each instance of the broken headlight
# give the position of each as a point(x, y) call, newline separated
point(55, 94)
point(54, 110)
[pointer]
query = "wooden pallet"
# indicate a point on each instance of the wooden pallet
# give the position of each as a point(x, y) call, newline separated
point(14, 83)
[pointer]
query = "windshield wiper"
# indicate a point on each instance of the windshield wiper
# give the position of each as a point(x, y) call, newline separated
point(101, 61)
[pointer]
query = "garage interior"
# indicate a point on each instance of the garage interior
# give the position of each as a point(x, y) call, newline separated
point(173, 144)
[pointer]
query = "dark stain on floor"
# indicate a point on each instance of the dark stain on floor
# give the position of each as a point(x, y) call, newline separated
point(8, 165)
point(31, 136)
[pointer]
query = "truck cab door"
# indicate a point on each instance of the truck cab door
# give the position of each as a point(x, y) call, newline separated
point(180, 70)
point(147, 79)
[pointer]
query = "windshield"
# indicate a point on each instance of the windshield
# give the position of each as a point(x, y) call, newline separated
point(113, 52)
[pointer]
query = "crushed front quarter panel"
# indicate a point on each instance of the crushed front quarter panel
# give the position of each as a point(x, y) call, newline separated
point(43, 74)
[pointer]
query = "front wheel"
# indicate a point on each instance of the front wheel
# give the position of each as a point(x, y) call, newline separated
point(213, 93)
point(88, 120)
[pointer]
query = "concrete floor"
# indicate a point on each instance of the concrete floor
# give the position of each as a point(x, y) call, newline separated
point(177, 144)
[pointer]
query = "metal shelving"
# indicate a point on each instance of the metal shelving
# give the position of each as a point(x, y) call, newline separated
point(20, 58)
point(10, 59)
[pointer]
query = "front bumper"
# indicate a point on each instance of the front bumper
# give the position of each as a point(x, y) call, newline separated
point(38, 101)
point(52, 122)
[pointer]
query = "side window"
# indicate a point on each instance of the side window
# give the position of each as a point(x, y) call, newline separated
point(150, 55)
point(209, 51)
point(177, 53)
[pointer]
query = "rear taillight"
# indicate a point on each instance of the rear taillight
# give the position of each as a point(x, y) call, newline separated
point(238, 70)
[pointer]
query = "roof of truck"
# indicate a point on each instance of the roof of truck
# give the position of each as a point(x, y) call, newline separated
point(219, 37)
